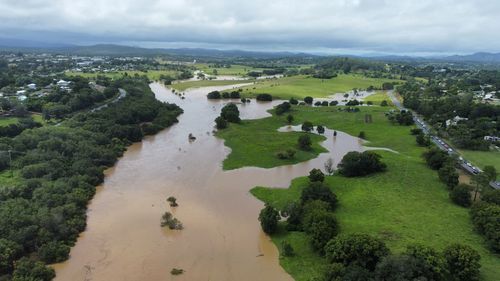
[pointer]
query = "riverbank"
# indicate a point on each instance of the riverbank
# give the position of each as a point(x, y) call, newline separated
point(406, 204)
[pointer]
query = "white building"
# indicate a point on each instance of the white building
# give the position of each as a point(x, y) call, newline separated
point(491, 138)
point(455, 120)
point(63, 83)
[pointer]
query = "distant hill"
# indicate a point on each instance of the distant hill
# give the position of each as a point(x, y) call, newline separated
point(11, 43)
point(111, 49)
point(476, 57)
point(122, 50)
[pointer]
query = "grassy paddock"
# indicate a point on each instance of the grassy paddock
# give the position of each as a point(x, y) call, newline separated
point(6, 121)
point(234, 69)
point(302, 86)
point(206, 83)
point(406, 204)
point(256, 142)
point(378, 97)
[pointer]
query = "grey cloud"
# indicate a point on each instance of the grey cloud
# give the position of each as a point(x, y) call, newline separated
point(383, 25)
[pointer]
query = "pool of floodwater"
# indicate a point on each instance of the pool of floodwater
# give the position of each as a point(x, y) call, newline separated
point(222, 239)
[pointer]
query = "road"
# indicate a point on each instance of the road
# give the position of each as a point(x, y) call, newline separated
point(420, 123)
point(122, 94)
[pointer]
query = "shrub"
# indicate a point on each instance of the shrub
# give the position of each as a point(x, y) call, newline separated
point(293, 101)
point(282, 108)
point(26, 269)
point(269, 218)
point(53, 252)
point(9, 252)
point(355, 164)
point(429, 261)
point(319, 223)
point(416, 131)
point(305, 142)
point(320, 129)
point(169, 220)
point(287, 249)
point(264, 97)
point(423, 140)
point(307, 126)
point(214, 95)
point(369, 102)
point(462, 262)
point(356, 249)
point(234, 95)
point(448, 174)
point(384, 103)
point(352, 103)
point(435, 158)
point(220, 123)
point(316, 175)
point(460, 195)
point(485, 219)
point(289, 118)
point(319, 191)
point(288, 154)
point(308, 100)
point(230, 113)
point(173, 201)
point(335, 272)
point(176, 271)
point(362, 135)
point(491, 196)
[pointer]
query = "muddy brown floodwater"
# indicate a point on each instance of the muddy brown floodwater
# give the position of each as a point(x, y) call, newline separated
point(222, 239)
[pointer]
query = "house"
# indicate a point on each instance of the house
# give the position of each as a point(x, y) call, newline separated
point(491, 138)
point(62, 83)
point(32, 86)
point(20, 92)
point(454, 120)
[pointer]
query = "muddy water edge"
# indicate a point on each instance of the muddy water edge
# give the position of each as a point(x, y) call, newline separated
point(222, 239)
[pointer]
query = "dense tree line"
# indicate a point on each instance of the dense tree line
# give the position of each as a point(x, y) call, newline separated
point(59, 167)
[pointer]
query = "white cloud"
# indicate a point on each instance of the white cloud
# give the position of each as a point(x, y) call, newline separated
point(377, 25)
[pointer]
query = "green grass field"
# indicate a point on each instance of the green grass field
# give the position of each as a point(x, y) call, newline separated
point(482, 158)
point(260, 136)
point(378, 97)
point(302, 86)
point(5, 121)
point(151, 74)
point(206, 83)
point(235, 69)
point(406, 204)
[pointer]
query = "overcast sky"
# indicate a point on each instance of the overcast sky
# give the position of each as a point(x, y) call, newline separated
point(338, 26)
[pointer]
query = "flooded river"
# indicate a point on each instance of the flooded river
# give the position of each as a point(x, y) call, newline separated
point(222, 239)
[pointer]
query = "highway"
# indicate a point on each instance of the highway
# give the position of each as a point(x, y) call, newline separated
point(420, 123)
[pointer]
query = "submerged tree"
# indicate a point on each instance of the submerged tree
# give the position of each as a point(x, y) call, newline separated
point(329, 166)
point(173, 201)
point(169, 220)
point(269, 218)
